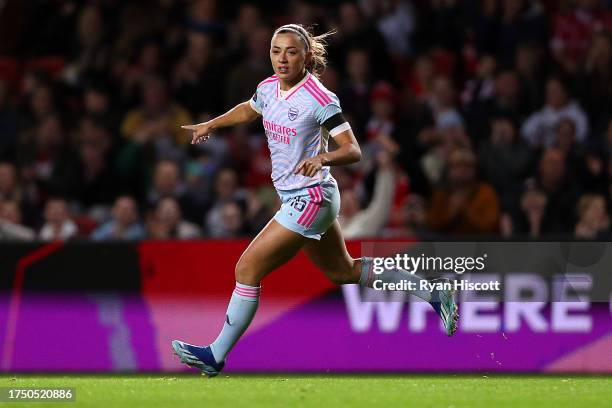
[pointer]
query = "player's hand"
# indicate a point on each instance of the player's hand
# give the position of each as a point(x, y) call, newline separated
point(200, 132)
point(309, 167)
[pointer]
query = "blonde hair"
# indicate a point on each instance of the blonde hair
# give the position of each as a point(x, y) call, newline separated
point(314, 43)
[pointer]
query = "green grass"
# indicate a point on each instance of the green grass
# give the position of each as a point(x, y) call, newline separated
point(240, 391)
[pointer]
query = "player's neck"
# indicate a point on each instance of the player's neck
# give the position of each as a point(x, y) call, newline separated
point(287, 85)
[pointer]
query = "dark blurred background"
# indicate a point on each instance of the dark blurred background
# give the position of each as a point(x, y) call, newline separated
point(488, 118)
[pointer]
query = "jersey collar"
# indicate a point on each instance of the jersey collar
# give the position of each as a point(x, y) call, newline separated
point(287, 94)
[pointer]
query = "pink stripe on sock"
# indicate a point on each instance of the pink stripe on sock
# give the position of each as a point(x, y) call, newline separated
point(246, 294)
point(248, 290)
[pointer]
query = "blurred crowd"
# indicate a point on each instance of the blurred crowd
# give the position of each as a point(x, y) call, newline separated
point(486, 118)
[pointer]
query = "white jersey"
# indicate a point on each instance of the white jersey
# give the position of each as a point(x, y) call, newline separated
point(293, 126)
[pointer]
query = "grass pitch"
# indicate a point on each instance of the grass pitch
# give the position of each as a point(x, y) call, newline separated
point(323, 391)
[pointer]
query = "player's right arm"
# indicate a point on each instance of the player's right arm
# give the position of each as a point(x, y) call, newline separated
point(238, 115)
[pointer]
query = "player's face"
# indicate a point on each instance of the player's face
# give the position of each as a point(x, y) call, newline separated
point(288, 56)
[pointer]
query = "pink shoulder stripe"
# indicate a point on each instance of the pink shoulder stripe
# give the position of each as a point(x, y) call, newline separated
point(322, 95)
point(314, 94)
point(273, 78)
point(321, 98)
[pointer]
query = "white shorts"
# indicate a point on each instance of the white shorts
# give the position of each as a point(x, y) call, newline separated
point(309, 211)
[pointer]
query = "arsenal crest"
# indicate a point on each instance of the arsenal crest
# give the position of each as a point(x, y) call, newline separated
point(293, 113)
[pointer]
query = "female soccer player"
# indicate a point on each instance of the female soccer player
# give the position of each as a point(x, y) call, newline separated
point(299, 114)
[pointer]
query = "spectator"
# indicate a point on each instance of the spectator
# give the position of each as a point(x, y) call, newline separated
point(555, 182)
point(202, 16)
point(572, 32)
point(593, 219)
point(92, 99)
point(354, 31)
point(249, 16)
point(422, 77)
point(533, 207)
point(98, 104)
point(565, 140)
point(381, 124)
point(42, 152)
point(9, 184)
point(356, 87)
point(133, 76)
point(464, 205)
point(58, 224)
point(539, 128)
point(595, 78)
point(197, 79)
point(505, 160)
point(8, 122)
point(86, 175)
point(93, 50)
point(369, 222)
point(42, 102)
point(157, 120)
point(443, 105)
point(411, 221)
point(231, 221)
point(124, 223)
point(396, 24)
point(554, 215)
point(482, 87)
point(167, 222)
point(521, 22)
point(168, 182)
point(261, 205)
point(443, 143)
point(226, 191)
point(530, 65)
point(10, 223)
point(506, 100)
point(243, 79)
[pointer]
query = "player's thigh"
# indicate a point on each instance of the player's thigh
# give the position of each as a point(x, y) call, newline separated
point(331, 256)
point(271, 248)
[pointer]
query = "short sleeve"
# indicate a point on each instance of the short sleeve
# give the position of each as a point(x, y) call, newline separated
point(330, 117)
point(255, 102)
point(322, 113)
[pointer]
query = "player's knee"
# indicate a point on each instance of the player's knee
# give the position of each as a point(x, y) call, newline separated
point(342, 275)
point(339, 279)
point(246, 273)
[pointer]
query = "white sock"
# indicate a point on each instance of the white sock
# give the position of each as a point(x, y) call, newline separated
point(240, 312)
point(394, 275)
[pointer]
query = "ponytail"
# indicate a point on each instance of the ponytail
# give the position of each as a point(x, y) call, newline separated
point(315, 44)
